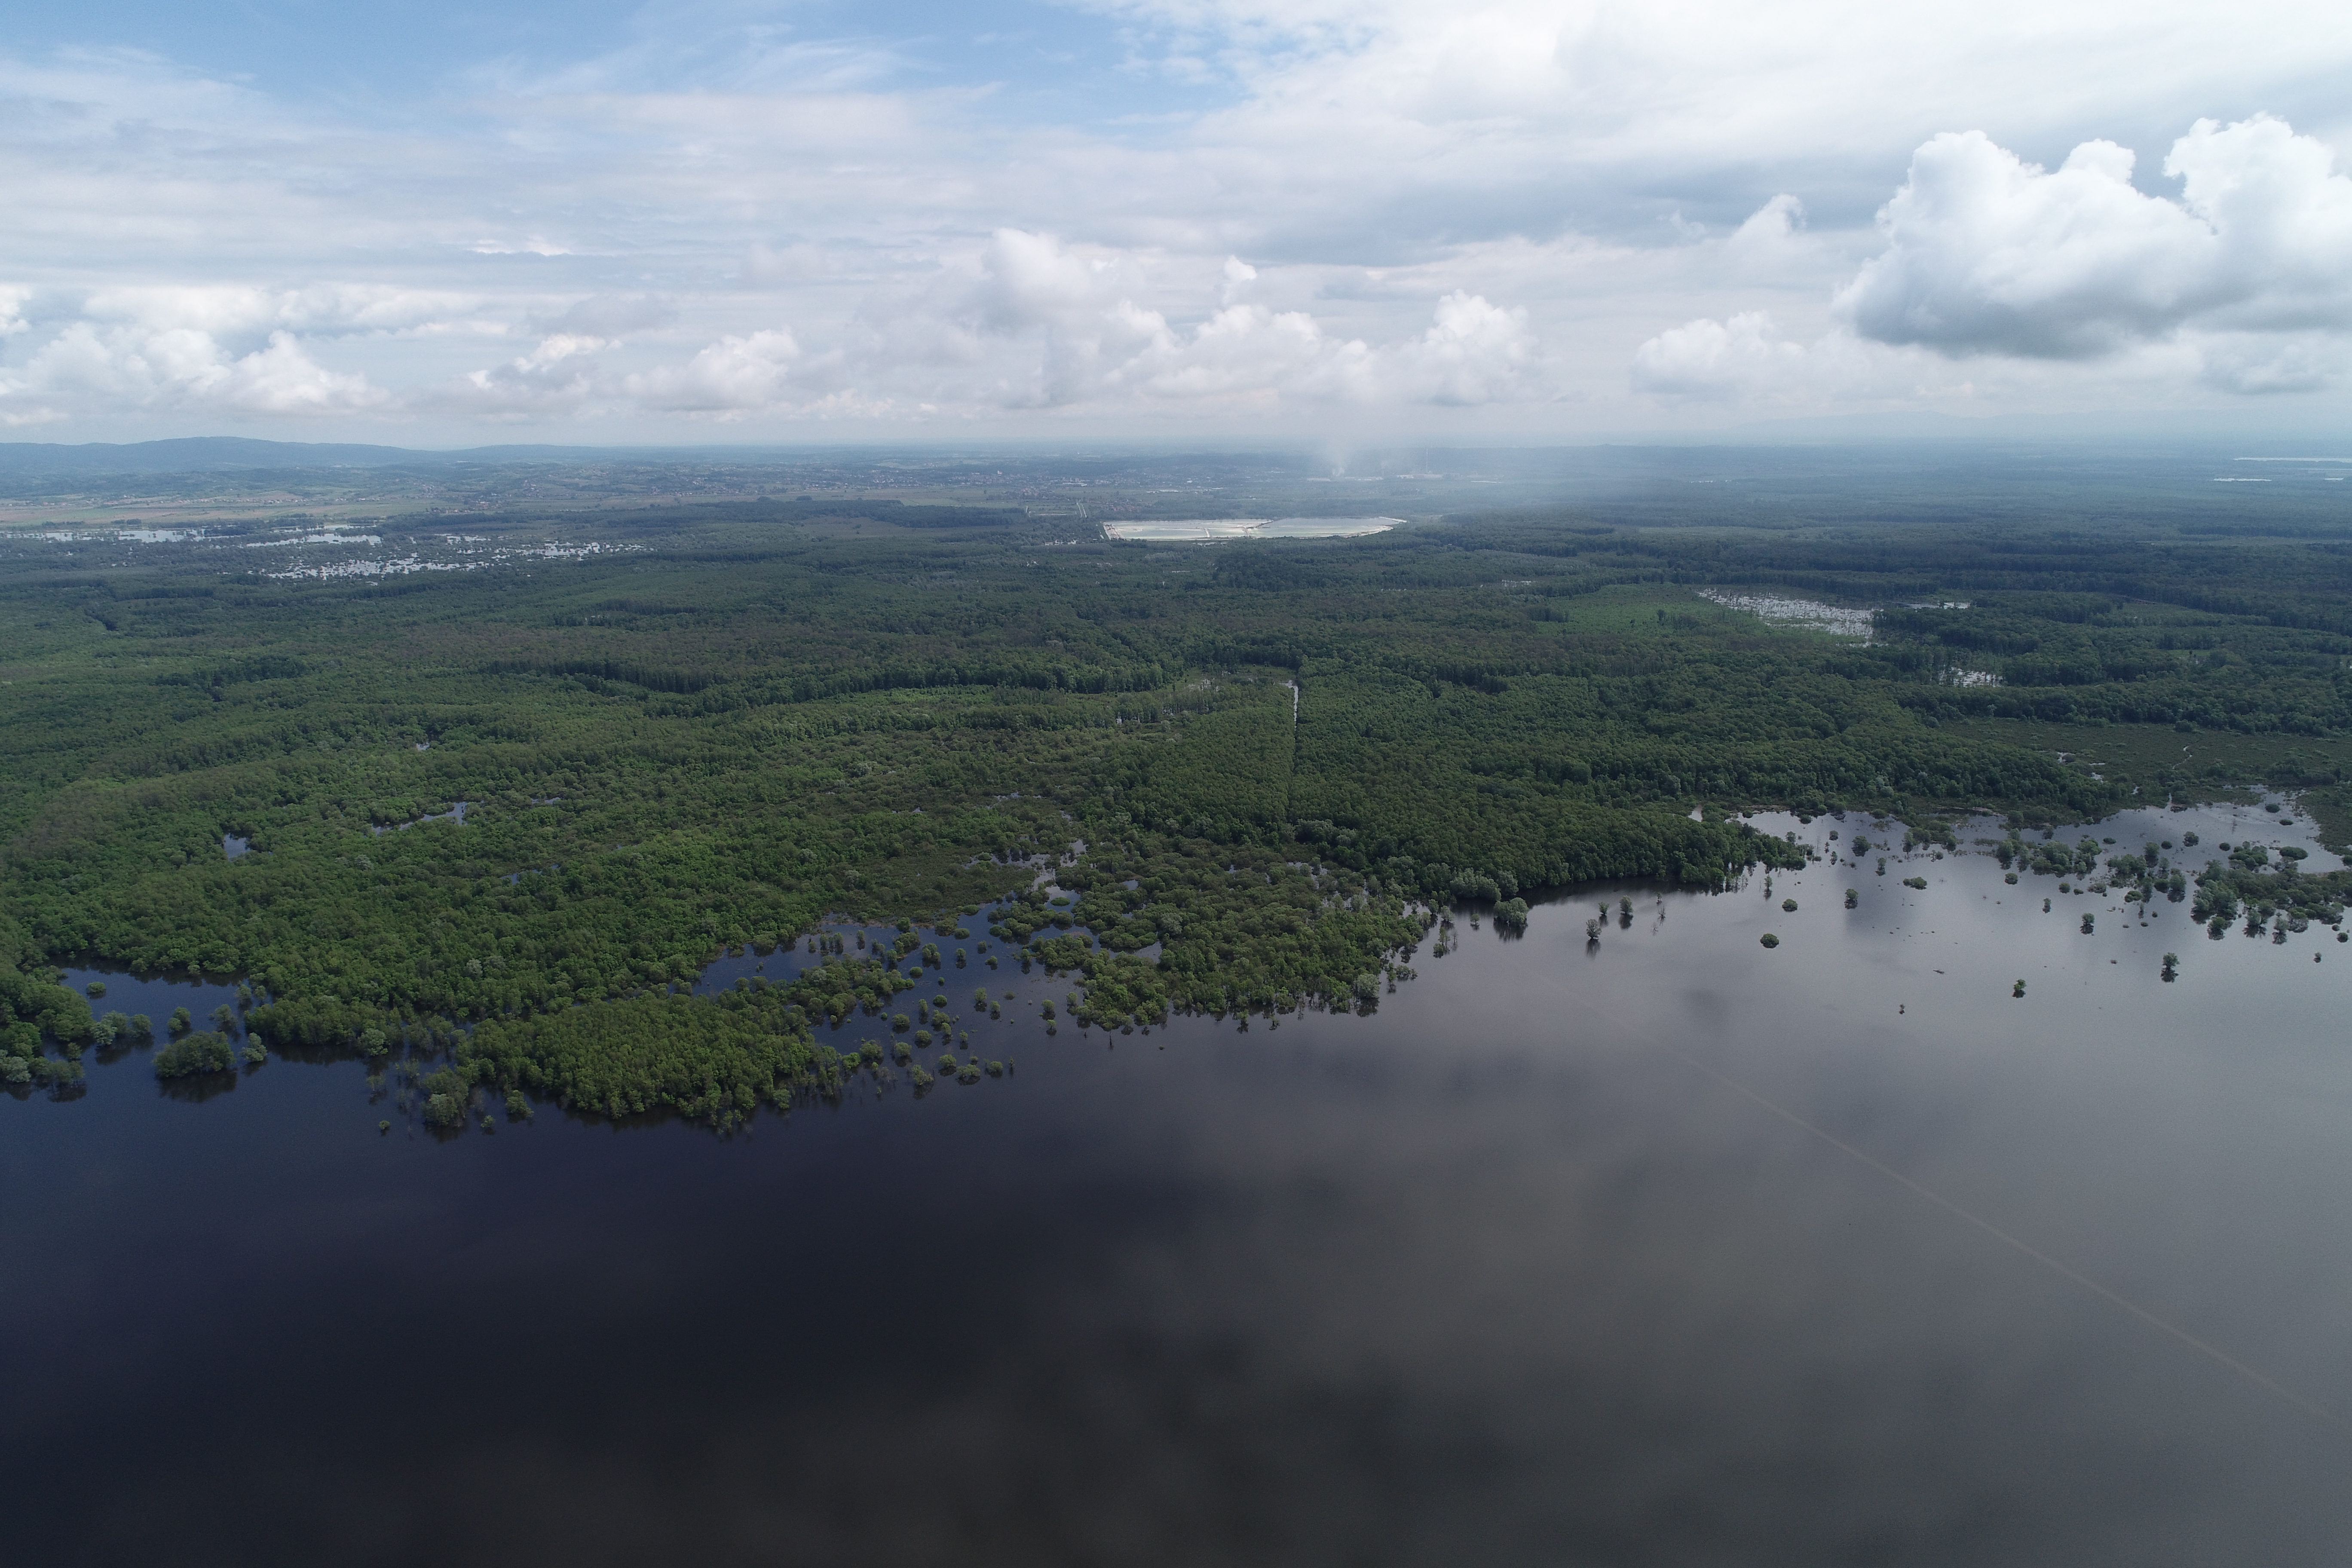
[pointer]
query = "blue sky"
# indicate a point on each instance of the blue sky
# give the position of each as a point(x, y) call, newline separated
point(1523, 220)
point(1044, 61)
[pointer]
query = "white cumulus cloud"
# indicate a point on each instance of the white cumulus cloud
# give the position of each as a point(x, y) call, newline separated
point(2241, 282)
point(178, 368)
point(1988, 254)
point(1712, 359)
point(558, 376)
point(730, 377)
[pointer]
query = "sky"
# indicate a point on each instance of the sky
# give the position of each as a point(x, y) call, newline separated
point(720, 221)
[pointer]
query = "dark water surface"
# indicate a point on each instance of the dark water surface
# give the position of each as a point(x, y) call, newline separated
point(1524, 1268)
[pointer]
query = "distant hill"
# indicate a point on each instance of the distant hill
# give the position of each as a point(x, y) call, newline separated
point(194, 454)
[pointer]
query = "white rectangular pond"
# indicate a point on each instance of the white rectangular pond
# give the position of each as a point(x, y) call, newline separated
point(1178, 530)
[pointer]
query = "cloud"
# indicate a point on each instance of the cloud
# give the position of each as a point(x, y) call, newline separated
point(1239, 275)
point(608, 317)
point(1712, 359)
point(1032, 280)
point(1099, 347)
point(2260, 364)
point(1771, 240)
point(1241, 354)
point(730, 377)
point(1443, 208)
point(557, 377)
point(236, 311)
point(178, 368)
point(2241, 284)
point(1027, 323)
point(283, 379)
point(1033, 322)
point(1990, 255)
point(1474, 353)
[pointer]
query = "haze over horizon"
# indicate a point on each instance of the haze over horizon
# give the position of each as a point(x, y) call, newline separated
point(687, 224)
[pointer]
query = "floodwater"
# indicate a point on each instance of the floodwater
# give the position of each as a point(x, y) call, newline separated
point(1812, 614)
point(1672, 1250)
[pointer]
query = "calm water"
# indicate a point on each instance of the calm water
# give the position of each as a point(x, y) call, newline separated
point(1182, 529)
point(1534, 1266)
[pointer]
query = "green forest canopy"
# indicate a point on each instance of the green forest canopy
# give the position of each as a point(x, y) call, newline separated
point(743, 719)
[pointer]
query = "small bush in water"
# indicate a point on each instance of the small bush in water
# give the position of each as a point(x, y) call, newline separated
point(196, 1053)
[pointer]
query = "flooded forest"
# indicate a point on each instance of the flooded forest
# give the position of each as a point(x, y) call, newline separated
point(1026, 914)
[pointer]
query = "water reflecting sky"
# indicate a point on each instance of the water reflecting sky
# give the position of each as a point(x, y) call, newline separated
point(1506, 1273)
